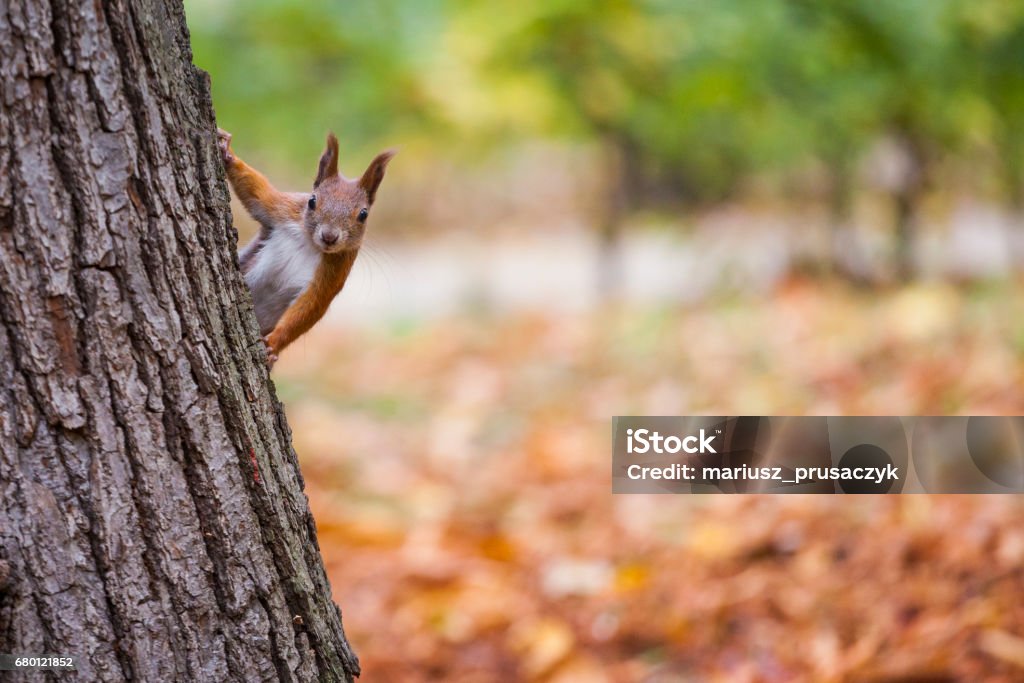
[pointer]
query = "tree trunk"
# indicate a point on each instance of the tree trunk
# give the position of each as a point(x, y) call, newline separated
point(906, 200)
point(1011, 149)
point(840, 210)
point(614, 200)
point(906, 225)
point(152, 517)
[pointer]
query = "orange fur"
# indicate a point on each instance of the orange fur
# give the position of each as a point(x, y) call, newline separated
point(311, 305)
point(262, 200)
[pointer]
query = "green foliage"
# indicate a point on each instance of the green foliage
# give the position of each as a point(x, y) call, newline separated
point(284, 73)
point(699, 95)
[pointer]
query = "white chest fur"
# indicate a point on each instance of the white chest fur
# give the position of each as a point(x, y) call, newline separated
point(281, 269)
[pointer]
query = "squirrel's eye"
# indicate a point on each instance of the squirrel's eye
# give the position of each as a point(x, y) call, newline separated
point(312, 202)
point(363, 214)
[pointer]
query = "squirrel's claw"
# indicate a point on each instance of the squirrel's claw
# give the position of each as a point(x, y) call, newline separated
point(271, 354)
point(224, 143)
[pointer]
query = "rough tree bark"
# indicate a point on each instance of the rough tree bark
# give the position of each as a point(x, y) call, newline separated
point(152, 518)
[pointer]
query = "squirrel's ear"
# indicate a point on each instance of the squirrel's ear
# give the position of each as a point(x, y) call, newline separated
point(328, 161)
point(375, 173)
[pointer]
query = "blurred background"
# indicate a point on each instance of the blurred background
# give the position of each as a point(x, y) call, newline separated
point(652, 207)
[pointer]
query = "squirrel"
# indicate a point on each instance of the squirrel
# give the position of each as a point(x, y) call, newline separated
point(307, 241)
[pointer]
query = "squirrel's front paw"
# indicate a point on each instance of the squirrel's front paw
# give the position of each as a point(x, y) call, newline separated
point(224, 143)
point(271, 353)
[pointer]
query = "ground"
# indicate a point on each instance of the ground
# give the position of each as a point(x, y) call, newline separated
point(459, 473)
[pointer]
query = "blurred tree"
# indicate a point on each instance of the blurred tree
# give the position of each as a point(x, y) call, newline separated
point(285, 72)
point(993, 32)
point(703, 95)
point(887, 73)
point(594, 61)
point(663, 90)
point(829, 97)
point(680, 100)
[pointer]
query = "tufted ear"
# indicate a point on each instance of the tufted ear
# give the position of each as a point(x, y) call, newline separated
point(328, 161)
point(375, 173)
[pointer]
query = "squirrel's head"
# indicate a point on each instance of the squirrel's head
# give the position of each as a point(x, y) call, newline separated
point(336, 211)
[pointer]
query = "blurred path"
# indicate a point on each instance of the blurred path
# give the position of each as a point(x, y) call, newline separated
point(727, 251)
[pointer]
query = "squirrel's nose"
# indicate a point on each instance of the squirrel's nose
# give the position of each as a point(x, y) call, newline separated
point(329, 238)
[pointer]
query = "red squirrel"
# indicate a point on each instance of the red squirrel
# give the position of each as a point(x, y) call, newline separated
point(307, 241)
